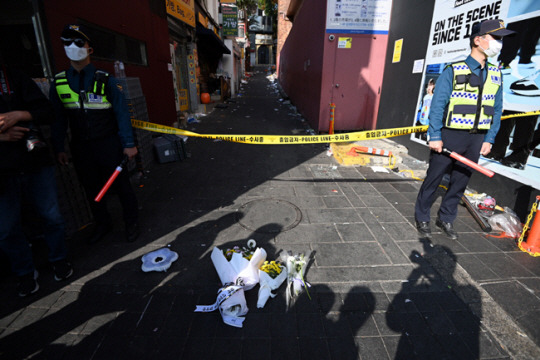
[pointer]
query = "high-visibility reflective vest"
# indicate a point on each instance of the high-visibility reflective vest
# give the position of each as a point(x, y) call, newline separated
point(90, 114)
point(472, 103)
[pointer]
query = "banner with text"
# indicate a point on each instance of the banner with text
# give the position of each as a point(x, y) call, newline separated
point(358, 16)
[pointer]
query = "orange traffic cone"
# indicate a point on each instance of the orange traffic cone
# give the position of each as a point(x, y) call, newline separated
point(369, 150)
point(532, 245)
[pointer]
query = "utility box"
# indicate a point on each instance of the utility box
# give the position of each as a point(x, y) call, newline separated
point(169, 148)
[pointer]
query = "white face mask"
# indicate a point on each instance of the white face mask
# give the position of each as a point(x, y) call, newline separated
point(75, 53)
point(493, 49)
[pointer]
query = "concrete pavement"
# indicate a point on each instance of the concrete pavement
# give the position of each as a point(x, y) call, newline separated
point(378, 291)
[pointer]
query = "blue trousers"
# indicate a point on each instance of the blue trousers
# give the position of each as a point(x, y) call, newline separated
point(463, 143)
point(40, 188)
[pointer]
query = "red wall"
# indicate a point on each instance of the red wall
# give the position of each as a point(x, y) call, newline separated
point(134, 20)
point(358, 71)
point(302, 82)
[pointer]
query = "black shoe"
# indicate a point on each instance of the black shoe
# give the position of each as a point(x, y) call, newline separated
point(99, 233)
point(424, 229)
point(448, 229)
point(62, 270)
point(513, 164)
point(517, 159)
point(28, 284)
point(132, 232)
point(494, 156)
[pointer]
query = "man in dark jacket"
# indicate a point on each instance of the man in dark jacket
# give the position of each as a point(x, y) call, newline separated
point(27, 171)
point(91, 104)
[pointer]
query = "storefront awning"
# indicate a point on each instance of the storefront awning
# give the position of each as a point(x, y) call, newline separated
point(209, 40)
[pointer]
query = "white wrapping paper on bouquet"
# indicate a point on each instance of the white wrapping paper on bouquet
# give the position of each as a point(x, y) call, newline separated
point(267, 284)
point(236, 275)
point(231, 303)
point(239, 270)
point(296, 269)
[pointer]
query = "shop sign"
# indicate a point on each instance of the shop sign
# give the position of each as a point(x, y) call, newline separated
point(183, 10)
point(203, 20)
point(230, 20)
point(183, 99)
point(261, 39)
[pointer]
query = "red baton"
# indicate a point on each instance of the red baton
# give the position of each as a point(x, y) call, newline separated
point(113, 177)
point(468, 162)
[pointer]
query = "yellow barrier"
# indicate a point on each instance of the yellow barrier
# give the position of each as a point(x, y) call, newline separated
point(295, 139)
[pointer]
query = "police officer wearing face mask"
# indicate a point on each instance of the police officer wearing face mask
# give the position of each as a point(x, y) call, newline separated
point(465, 116)
point(91, 104)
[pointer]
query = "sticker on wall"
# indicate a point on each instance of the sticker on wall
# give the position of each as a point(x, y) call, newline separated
point(344, 43)
point(418, 66)
point(398, 44)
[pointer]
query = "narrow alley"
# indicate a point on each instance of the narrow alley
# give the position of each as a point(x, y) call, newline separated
point(377, 290)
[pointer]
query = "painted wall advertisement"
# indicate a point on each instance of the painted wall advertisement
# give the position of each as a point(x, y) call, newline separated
point(358, 16)
point(519, 60)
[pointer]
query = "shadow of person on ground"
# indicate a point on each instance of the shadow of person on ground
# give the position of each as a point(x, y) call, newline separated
point(434, 322)
point(117, 312)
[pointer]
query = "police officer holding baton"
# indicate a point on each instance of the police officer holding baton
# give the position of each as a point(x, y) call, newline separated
point(92, 105)
point(465, 116)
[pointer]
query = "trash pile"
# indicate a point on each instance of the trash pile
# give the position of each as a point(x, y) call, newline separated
point(493, 217)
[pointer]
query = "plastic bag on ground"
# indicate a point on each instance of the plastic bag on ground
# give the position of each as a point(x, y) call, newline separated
point(507, 222)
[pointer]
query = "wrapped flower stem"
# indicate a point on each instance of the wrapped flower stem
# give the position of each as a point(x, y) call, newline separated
point(296, 267)
point(237, 274)
point(271, 276)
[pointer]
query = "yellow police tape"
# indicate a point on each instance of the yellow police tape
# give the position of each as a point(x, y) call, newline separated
point(530, 113)
point(295, 139)
point(285, 139)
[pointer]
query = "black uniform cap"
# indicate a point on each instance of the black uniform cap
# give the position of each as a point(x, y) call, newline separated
point(74, 31)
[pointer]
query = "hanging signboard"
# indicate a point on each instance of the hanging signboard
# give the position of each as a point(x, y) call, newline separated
point(183, 10)
point(358, 16)
point(230, 20)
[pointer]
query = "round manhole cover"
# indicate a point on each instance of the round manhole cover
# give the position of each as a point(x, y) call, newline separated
point(269, 216)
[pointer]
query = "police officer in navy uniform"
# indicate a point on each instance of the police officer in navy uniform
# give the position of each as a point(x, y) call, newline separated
point(92, 105)
point(465, 116)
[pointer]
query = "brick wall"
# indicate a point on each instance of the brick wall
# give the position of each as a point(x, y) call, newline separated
point(284, 27)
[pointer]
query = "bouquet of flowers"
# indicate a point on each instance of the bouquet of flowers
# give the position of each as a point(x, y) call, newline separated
point(296, 267)
point(231, 303)
point(271, 275)
point(246, 252)
point(239, 266)
point(237, 274)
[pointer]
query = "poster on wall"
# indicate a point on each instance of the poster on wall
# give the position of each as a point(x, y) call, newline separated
point(358, 16)
point(519, 60)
